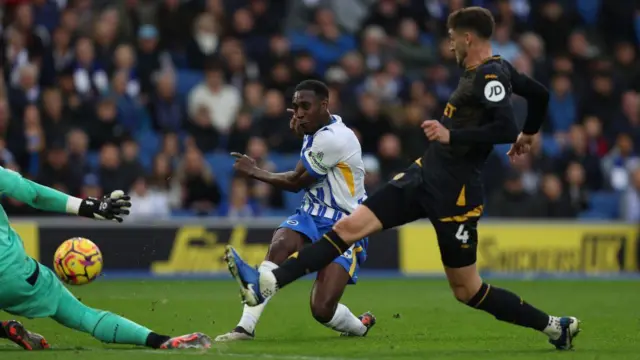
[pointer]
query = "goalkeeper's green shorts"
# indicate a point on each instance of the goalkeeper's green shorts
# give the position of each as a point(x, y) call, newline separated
point(32, 290)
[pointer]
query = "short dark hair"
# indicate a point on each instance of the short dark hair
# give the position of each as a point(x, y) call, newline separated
point(213, 65)
point(474, 18)
point(318, 87)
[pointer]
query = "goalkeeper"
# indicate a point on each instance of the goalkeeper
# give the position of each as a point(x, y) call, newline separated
point(32, 290)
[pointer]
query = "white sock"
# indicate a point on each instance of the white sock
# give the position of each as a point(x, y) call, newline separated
point(251, 314)
point(344, 321)
point(268, 284)
point(553, 329)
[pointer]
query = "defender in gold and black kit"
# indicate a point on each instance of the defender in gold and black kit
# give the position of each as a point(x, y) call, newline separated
point(444, 185)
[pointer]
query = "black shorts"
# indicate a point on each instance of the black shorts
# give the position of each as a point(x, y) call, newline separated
point(406, 199)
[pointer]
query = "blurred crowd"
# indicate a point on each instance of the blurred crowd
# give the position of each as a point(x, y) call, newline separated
point(151, 95)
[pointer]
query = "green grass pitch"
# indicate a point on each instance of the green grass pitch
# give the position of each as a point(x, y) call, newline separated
point(417, 319)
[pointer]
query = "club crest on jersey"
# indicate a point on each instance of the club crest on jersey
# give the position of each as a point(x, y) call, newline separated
point(494, 91)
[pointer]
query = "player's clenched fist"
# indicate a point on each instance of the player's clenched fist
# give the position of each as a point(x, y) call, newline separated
point(435, 131)
point(244, 164)
point(111, 207)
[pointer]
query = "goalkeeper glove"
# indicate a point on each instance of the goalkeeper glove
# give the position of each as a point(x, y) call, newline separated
point(112, 207)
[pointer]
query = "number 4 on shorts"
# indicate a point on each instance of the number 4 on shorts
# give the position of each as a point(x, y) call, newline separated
point(462, 234)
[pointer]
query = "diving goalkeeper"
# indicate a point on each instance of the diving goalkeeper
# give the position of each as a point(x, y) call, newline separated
point(32, 290)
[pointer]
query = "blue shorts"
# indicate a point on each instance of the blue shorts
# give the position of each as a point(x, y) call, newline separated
point(314, 227)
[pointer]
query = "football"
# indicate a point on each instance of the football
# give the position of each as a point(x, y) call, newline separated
point(77, 261)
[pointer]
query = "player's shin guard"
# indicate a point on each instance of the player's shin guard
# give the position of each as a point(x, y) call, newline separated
point(311, 258)
point(509, 307)
point(345, 322)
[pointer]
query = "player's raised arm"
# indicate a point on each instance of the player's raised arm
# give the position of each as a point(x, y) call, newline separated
point(111, 207)
point(313, 165)
point(537, 97)
point(292, 181)
point(493, 89)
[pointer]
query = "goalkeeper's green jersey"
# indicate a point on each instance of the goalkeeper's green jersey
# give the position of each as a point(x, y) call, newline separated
point(40, 197)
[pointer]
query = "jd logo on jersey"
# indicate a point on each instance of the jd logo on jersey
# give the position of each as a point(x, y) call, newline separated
point(494, 91)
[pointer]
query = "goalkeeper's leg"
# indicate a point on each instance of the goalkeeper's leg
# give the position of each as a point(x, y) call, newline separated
point(111, 328)
point(34, 291)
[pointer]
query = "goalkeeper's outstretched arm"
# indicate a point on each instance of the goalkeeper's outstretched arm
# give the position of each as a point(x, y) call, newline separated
point(38, 196)
point(111, 207)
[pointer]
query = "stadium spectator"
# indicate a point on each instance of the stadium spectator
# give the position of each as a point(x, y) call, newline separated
point(577, 150)
point(372, 178)
point(240, 204)
point(148, 203)
point(131, 167)
point(512, 201)
point(104, 128)
point(167, 111)
point(91, 186)
point(217, 75)
point(162, 180)
point(273, 125)
point(265, 196)
point(619, 162)
point(204, 42)
point(58, 172)
point(577, 191)
point(389, 153)
point(630, 205)
point(111, 176)
point(553, 202)
point(200, 192)
point(213, 106)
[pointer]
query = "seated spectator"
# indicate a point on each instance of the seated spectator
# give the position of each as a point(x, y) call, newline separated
point(77, 143)
point(200, 192)
point(110, 173)
point(124, 61)
point(26, 91)
point(90, 78)
point(57, 170)
point(578, 151)
point(91, 186)
point(104, 127)
point(55, 122)
point(166, 109)
point(131, 167)
point(576, 187)
point(630, 204)
point(162, 180)
point(265, 194)
point(240, 204)
point(148, 203)
point(213, 106)
point(552, 202)
point(619, 162)
point(512, 201)
point(204, 41)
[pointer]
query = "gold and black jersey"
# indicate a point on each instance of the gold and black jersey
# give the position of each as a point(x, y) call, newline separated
point(478, 115)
